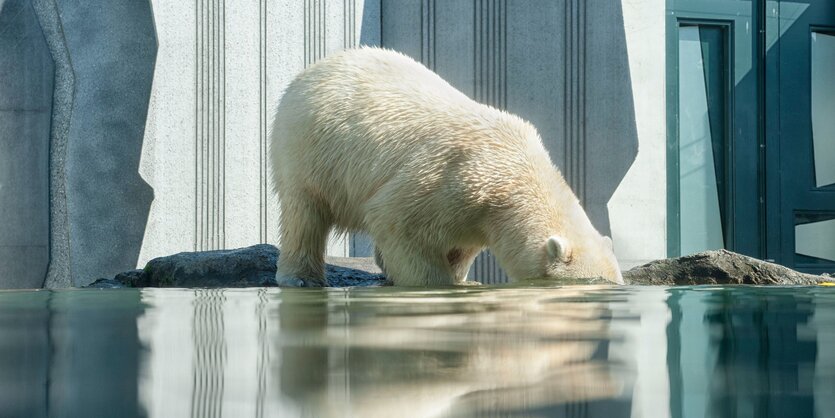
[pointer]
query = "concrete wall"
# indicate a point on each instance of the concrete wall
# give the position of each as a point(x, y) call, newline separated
point(26, 74)
point(161, 108)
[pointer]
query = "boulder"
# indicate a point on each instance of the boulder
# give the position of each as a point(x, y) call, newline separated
point(716, 267)
point(243, 267)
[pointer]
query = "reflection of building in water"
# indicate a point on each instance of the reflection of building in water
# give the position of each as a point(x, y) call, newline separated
point(640, 319)
point(207, 354)
point(209, 361)
point(95, 354)
point(69, 354)
point(733, 354)
point(165, 330)
point(822, 323)
point(24, 354)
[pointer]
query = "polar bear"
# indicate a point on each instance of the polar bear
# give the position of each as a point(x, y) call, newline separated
point(368, 140)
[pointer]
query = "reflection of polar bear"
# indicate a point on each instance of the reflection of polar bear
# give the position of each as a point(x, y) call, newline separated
point(501, 352)
point(369, 140)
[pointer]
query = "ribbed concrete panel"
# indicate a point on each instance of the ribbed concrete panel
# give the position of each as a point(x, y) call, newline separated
point(210, 162)
point(220, 72)
point(490, 87)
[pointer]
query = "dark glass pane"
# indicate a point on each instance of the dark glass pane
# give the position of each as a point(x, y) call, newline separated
point(702, 137)
point(814, 236)
point(823, 107)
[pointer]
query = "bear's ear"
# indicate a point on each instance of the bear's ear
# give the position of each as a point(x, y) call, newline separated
point(609, 244)
point(558, 249)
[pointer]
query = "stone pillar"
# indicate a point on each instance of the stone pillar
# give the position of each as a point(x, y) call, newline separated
point(112, 47)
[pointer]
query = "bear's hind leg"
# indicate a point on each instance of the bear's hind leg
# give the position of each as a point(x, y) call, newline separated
point(378, 259)
point(460, 260)
point(408, 266)
point(304, 231)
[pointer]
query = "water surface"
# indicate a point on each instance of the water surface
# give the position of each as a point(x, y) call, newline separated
point(576, 351)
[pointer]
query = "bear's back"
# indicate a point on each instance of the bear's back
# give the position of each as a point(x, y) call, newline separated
point(356, 120)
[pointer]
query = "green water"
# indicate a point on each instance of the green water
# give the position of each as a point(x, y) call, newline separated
point(388, 352)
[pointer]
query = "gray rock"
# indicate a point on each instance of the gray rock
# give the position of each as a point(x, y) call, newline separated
point(716, 267)
point(244, 267)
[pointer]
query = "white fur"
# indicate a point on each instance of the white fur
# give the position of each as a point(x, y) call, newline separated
point(370, 140)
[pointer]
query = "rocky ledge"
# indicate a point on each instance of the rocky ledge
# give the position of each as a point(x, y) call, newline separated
point(255, 266)
point(243, 267)
point(717, 267)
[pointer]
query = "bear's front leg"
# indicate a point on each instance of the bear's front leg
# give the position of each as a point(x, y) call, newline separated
point(295, 270)
point(304, 231)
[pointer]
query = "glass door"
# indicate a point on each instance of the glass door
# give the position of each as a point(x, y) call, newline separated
point(801, 135)
point(713, 143)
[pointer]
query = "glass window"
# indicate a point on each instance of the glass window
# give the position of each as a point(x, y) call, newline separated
point(702, 137)
point(823, 107)
point(814, 235)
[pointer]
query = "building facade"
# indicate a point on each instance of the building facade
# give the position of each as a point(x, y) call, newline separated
point(138, 128)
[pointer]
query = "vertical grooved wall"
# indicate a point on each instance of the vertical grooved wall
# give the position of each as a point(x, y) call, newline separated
point(490, 87)
point(574, 96)
point(263, 183)
point(427, 33)
point(314, 31)
point(210, 128)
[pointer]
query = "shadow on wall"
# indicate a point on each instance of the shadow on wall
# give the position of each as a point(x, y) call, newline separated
point(112, 50)
point(611, 135)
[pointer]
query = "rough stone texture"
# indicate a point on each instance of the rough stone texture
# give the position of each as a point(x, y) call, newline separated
point(716, 267)
point(112, 50)
point(244, 267)
point(58, 273)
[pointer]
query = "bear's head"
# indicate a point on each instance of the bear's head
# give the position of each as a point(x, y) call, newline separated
point(587, 256)
point(570, 255)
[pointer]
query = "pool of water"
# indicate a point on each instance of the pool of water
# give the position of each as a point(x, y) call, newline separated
point(488, 351)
